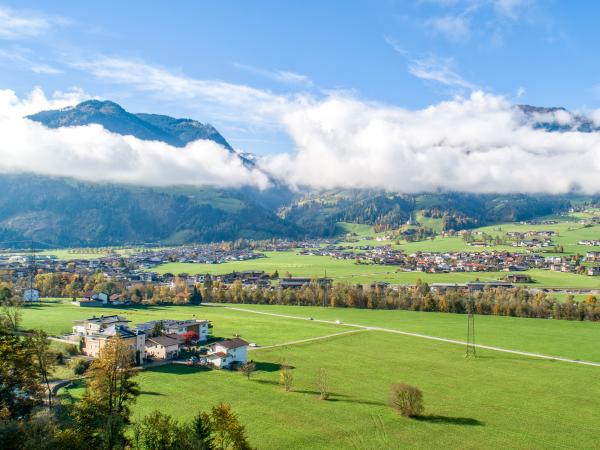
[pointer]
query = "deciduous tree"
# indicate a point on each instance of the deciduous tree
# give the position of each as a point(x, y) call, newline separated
point(406, 399)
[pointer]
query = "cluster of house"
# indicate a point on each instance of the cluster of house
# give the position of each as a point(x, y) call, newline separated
point(590, 242)
point(130, 268)
point(532, 239)
point(157, 340)
point(567, 265)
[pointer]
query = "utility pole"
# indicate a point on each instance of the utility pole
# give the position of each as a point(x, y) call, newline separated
point(32, 269)
point(325, 286)
point(470, 351)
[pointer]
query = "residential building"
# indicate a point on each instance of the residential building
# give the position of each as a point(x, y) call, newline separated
point(95, 332)
point(202, 328)
point(162, 347)
point(593, 271)
point(228, 353)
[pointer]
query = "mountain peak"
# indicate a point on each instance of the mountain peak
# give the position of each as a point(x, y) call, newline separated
point(113, 117)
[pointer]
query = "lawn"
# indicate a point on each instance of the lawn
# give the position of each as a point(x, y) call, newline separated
point(470, 403)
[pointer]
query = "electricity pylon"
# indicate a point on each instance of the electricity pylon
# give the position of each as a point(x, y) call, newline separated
point(471, 349)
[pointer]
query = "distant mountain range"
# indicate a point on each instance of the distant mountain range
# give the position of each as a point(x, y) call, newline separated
point(557, 119)
point(75, 213)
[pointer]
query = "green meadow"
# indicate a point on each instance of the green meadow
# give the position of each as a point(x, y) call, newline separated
point(350, 272)
point(496, 400)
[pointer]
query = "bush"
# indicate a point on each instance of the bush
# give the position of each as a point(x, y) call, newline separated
point(60, 359)
point(72, 350)
point(80, 366)
point(407, 400)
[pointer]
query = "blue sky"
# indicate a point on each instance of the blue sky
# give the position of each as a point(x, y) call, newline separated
point(227, 63)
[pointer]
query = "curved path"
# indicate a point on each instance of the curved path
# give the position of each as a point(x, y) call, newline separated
point(302, 341)
point(418, 335)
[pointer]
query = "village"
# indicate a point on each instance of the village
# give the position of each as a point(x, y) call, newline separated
point(127, 270)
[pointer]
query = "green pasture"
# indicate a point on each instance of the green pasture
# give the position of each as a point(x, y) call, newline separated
point(350, 272)
point(496, 400)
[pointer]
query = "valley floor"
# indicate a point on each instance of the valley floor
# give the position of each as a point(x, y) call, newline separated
point(497, 400)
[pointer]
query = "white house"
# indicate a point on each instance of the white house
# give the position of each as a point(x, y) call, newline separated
point(225, 353)
point(31, 295)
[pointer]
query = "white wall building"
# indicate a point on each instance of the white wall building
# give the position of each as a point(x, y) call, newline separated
point(225, 353)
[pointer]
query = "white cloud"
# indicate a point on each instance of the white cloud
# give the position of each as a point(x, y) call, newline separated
point(15, 25)
point(441, 70)
point(454, 28)
point(226, 101)
point(396, 46)
point(488, 20)
point(21, 57)
point(510, 8)
point(281, 76)
point(94, 154)
point(477, 144)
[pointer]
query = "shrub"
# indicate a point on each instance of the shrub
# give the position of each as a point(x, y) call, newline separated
point(80, 366)
point(72, 350)
point(407, 400)
point(286, 377)
point(322, 384)
point(60, 359)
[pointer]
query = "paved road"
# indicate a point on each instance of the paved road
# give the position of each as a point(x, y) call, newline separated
point(424, 336)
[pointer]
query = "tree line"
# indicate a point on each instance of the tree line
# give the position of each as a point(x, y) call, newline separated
point(516, 302)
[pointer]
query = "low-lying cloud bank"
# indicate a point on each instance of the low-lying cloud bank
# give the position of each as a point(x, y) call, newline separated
point(478, 144)
point(92, 153)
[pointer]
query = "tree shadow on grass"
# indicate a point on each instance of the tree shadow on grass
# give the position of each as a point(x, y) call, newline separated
point(178, 369)
point(150, 393)
point(267, 366)
point(334, 398)
point(271, 382)
point(433, 418)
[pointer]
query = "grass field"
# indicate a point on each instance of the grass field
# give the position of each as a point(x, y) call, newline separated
point(348, 271)
point(497, 400)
